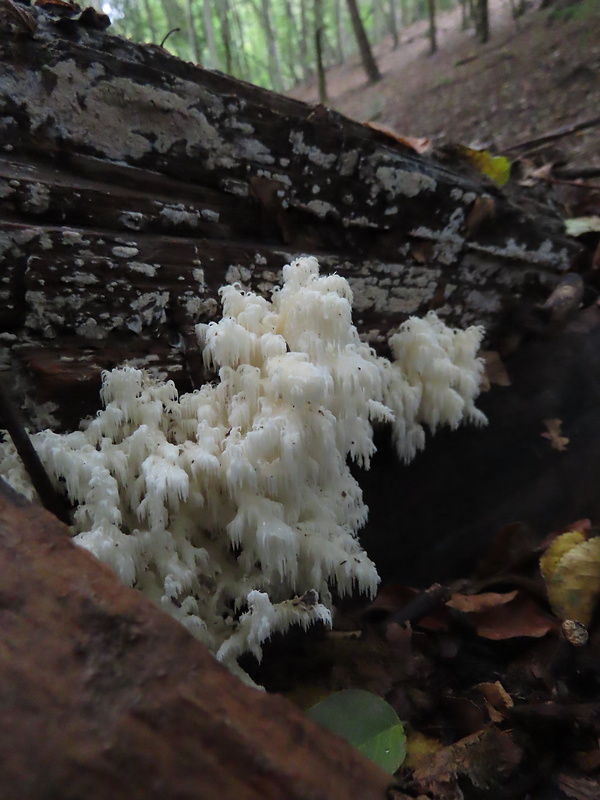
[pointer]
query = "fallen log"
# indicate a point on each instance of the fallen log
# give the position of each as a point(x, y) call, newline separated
point(134, 185)
point(104, 696)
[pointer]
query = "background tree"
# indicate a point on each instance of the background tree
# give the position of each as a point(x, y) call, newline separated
point(319, 36)
point(369, 63)
point(483, 21)
point(432, 28)
point(273, 44)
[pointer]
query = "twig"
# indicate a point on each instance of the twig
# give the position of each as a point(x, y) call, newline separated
point(50, 498)
point(567, 130)
point(173, 30)
point(562, 182)
point(571, 173)
point(422, 604)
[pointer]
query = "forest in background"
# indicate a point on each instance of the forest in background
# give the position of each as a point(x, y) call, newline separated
point(280, 44)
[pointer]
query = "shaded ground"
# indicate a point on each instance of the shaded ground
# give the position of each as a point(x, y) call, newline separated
point(538, 73)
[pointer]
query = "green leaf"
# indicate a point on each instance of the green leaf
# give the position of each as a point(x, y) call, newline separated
point(367, 722)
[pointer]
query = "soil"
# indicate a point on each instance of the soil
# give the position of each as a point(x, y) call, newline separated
point(538, 73)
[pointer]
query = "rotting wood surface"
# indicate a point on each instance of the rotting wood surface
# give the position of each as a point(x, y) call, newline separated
point(133, 185)
point(104, 696)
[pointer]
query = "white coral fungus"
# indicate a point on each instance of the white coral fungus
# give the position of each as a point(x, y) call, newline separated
point(225, 504)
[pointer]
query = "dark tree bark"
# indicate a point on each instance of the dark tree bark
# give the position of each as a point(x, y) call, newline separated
point(483, 22)
point(393, 20)
point(105, 697)
point(369, 63)
point(134, 185)
point(319, 29)
point(432, 29)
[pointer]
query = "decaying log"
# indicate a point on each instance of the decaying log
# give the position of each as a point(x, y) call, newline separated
point(133, 185)
point(104, 696)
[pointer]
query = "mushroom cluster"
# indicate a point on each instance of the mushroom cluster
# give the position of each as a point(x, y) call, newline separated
point(233, 507)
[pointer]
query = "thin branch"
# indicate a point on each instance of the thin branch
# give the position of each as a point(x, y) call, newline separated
point(173, 30)
point(571, 173)
point(567, 130)
point(50, 498)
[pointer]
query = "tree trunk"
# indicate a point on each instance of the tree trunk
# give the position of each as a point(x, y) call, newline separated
point(464, 15)
point(191, 32)
point(272, 49)
point(105, 697)
point(292, 58)
point(319, 51)
point(209, 35)
point(239, 45)
point(116, 238)
point(339, 33)
point(393, 18)
point(224, 12)
point(150, 21)
point(432, 29)
point(369, 63)
point(483, 24)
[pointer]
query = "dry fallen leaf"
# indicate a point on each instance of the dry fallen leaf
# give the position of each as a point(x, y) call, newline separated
point(418, 746)
point(482, 209)
point(579, 788)
point(494, 370)
point(483, 758)
point(553, 434)
point(497, 700)
point(471, 603)
point(504, 616)
point(419, 144)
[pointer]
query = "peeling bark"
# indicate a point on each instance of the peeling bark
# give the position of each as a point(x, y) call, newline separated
point(134, 185)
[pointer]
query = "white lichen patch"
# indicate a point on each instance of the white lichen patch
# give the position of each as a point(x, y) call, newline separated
point(143, 268)
point(36, 199)
point(318, 157)
point(124, 252)
point(235, 187)
point(544, 255)
point(319, 207)
point(73, 238)
point(210, 215)
point(134, 220)
point(80, 278)
point(179, 215)
point(395, 181)
point(248, 149)
point(483, 303)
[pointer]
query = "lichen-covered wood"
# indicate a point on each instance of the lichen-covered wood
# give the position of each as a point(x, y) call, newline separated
point(133, 185)
point(104, 697)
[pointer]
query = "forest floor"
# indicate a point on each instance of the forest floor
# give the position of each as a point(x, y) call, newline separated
point(499, 685)
point(537, 74)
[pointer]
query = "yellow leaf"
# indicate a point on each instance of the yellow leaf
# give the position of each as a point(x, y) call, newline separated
point(573, 580)
point(496, 168)
point(561, 545)
point(417, 746)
